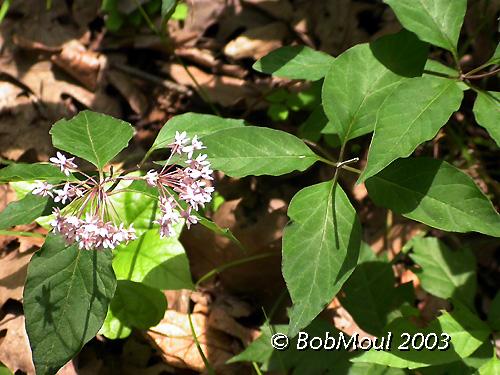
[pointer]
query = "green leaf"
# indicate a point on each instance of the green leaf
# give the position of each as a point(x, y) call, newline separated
point(320, 249)
point(494, 313)
point(66, 298)
point(435, 193)
point(181, 12)
point(167, 8)
point(362, 78)
point(445, 273)
point(33, 172)
point(138, 305)
point(369, 296)
point(295, 62)
point(487, 113)
point(136, 208)
point(224, 232)
point(435, 21)
point(24, 211)
point(260, 350)
point(466, 330)
point(253, 150)
point(492, 367)
point(157, 262)
point(193, 124)
point(413, 114)
point(113, 328)
point(278, 112)
point(95, 137)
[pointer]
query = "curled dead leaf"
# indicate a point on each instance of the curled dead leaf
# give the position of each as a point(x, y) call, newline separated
point(174, 338)
point(83, 65)
point(15, 350)
point(257, 42)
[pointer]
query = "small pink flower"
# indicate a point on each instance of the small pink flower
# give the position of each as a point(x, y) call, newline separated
point(43, 189)
point(190, 219)
point(195, 145)
point(65, 194)
point(180, 140)
point(63, 163)
point(151, 177)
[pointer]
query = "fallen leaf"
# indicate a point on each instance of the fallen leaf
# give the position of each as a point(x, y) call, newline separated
point(174, 338)
point(13, 269)
point(257, 42)
point(15, 350)
point(223, 90)
point(83, 65)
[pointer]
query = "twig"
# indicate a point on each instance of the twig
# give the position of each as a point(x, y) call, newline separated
point(484, 75)
point(170, 85)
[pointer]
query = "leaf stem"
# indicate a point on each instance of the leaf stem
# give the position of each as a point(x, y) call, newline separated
point(484, 75)
point(198, 346)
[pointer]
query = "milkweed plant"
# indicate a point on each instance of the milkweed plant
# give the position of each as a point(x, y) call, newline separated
point(113, 230)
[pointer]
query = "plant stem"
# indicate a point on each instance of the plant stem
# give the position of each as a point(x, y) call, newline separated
point(198, 346)
point(235, 263)
point(484, 75)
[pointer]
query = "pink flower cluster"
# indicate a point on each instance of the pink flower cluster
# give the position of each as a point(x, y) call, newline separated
point(91, 233)
point(92, 222)
point(190, 183)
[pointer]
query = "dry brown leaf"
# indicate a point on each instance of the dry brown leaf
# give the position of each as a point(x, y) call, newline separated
point(202, 15)
point(83, 65)
point(15, 350)
point(65, 21)
point(219, 319)
point(36, 102)
point(129, 90)
point(174, 338)
point(257, 42)
point(334, 24)
point(221, 89)
point(13, 269)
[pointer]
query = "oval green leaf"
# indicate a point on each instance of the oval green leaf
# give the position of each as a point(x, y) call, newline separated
point(95, 137)
point(364, 76)
point(257, 151)
point(443, 272)
point(320, 249)
point(435, 21)
point(25, 211)
point(156, 262)
point(435, 193)
point(138, 305)
point(411, 115)
point(198, 124)
point(487, 113)
point(295, 62)
point(33, 172)
point(65, 300)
